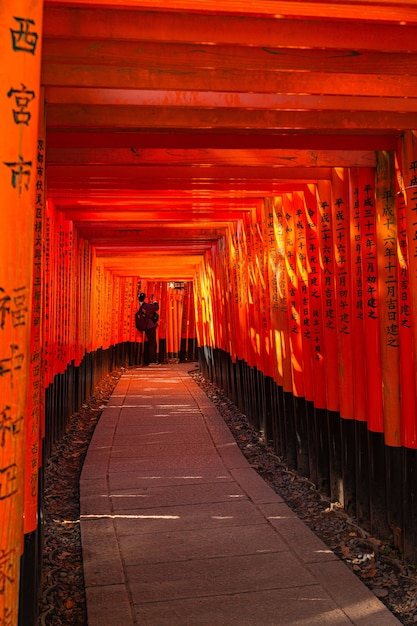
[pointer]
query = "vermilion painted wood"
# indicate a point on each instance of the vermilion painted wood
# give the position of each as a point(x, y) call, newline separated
point(263, 101)
point(159, 25)
point(371, 351)
point(408, 396)
point(409, 198)
point(20, 359)
point(360, 139)
point(234, 79)
point(173, 118)
point(301, 217)
point(315, 287)
point(356, 285)
point(341, 209)
point(151, 216)
point(381, 11)
point(328, 302)
point(176, 57)
point(203, 157)
point(388, 294)
point(195, 172)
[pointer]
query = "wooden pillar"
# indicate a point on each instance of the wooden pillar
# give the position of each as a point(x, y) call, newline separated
point(20, 51)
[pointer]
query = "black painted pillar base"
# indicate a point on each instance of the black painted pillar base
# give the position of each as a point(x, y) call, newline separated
point(395, 487)
point(312, 442)
point(290, 431)
point(280, 436)
point(363, 505)
point(335, 457)
point(409, 495)
point(302, 436)
point(348, 441)
point(29, 581)
point(377, 486)
point(322, 456)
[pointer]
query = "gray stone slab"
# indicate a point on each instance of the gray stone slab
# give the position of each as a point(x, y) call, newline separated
point(163, 438)
point(231, 455)
point(95, 464)
point(164, 383)
point(348, 592)
point(101, 556)
point(173, 396)
point(205, 404)
point(200, 543)
point(108, 605)
point(164, 433)
point(302, 540)
point(220, 433)
point(161, 410)
point(102, 438)
point(178, 462)
point(255, 487)
point(305, 606)
point(109, 416)
point(115, 401)
point(152, 496)
point(166, 477)
point(108, 421)
point(94, 496)
point(131, 420)
point(166, 450)
point(175, 518)
point(122, 386)
point(209, 577)
point(93, 487)
point(96, 505)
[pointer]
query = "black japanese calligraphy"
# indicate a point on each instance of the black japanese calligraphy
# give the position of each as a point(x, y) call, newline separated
point(21, 171)
point(22, 97)
point(24, 39)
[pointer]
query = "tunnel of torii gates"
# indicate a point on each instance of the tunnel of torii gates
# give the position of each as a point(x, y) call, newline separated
point(301, 305)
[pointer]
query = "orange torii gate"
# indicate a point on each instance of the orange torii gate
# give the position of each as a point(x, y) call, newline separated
point(340, 282)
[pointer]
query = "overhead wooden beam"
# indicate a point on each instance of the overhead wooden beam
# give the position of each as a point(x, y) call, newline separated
point(181, 58)
point(192, 246)
point(129, 117)
point(124, 25)
point(202, 157)
point(107, 245)
point(169, 269)
point(210, 99)
point(202, 189)
point(161, 202)
point(143, 218)
point(194, 173)
point(383, 10)
point(230, 80)
point(116, 172)
point(244, 140)
point(103, 233)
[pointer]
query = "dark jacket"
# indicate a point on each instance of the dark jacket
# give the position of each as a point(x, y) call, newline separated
point(149, 309)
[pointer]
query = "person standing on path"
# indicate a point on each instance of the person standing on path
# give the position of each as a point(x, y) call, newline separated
point(148, 311)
